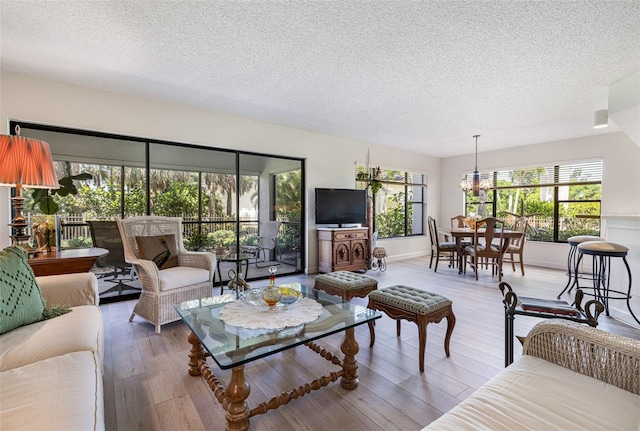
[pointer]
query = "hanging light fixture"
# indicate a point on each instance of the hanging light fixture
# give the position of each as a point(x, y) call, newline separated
point(477, 182)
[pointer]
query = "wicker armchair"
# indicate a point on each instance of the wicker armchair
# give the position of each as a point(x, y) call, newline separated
point(161, 289)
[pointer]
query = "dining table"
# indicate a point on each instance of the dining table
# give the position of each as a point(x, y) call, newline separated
point(458, 234)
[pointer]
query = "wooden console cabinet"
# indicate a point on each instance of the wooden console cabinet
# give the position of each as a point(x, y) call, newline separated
point(343, 249)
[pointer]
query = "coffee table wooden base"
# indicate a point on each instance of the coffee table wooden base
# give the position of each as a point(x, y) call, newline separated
point(233, 398)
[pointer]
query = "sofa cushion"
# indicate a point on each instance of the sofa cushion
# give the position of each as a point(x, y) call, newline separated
point(533, 394)
point(61, 393)
point(161, 249)
point(80, 330)
point(21, 301)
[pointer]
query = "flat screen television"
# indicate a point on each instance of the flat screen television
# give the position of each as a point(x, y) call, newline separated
point(341, 206)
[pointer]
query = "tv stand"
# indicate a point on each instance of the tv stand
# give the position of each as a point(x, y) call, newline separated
point(343, 249)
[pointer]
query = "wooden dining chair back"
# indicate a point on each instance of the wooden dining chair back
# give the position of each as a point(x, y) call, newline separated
point(457, 222)
point(440, 250)
point(516, 245)
point(488, 246)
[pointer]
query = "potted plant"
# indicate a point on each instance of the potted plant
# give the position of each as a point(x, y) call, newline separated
point(44, 227)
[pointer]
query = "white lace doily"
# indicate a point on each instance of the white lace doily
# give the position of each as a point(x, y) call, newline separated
point(237, 313)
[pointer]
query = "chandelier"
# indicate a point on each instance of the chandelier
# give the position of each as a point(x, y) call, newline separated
point(477, 183)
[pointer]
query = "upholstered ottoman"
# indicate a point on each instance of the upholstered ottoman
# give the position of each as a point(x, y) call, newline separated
point(415, 305)
point(346, 284)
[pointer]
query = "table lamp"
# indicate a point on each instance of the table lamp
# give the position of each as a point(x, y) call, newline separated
point(24, 162)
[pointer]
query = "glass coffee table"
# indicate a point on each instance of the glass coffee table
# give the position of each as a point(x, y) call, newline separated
point(231, 347)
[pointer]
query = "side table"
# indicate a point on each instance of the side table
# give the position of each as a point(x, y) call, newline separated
point(512, 307)
point(66, 261)
point(233, 257)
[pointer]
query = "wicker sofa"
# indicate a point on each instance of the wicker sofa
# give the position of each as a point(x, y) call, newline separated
point(570, 377)
point(51, 370)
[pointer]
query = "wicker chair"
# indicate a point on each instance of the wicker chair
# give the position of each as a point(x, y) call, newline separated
point(161, 289)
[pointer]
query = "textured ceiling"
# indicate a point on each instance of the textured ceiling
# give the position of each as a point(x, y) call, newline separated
point(418, 75)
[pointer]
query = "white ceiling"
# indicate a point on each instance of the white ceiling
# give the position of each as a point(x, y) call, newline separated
point(418, 75)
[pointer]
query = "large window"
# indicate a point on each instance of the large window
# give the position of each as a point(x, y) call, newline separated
point(560, 201)
point(223, 196)
point(398, 200)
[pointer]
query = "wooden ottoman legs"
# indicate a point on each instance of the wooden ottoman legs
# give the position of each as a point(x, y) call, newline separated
point(421, 320)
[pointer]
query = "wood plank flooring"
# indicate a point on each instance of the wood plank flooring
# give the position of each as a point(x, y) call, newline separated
point(147, 386)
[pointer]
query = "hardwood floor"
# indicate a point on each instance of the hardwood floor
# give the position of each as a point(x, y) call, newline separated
point(147, 386)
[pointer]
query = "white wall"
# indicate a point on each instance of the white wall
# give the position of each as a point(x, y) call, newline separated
point(330, 160)
point(620, 182)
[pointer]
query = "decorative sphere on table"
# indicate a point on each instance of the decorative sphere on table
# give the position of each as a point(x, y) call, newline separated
point(271, 294)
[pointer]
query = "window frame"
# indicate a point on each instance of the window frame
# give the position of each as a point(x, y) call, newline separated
point(559, 179)
point(364, 180)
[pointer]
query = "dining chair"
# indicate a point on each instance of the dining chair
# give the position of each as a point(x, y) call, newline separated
point(457, 221)
point(445, 250)
point(488, 247)
point(168, 273)
point(516, 245)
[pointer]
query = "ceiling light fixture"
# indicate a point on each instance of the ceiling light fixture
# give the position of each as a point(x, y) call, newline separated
point(477, 183)
point(600, 119)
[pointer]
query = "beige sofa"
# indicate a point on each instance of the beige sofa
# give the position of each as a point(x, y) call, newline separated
point(570, 377)
point(51, 371)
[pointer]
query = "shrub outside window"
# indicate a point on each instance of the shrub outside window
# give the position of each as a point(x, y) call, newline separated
point(559, 201)
point(398, 200)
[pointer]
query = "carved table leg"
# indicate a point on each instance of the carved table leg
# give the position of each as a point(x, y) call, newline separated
point(195, 355)
point(350, 348)
point(237, 393)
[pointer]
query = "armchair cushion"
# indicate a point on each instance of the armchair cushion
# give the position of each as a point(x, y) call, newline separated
point(21, 301)
point(181, 276)
point(161, 249)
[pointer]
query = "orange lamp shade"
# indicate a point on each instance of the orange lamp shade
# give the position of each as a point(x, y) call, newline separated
point(26, 161)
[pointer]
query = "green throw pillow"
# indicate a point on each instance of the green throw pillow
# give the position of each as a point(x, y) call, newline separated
point(161, 249)
point(21, 301)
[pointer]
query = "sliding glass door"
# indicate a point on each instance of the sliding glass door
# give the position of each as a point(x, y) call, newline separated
point(227, 199)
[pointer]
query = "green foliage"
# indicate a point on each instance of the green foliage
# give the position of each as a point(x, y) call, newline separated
point(177, 198)
point(290, 240)
point(45, 201)
point(289, 196)
point(222, 238)
point(197, 240)
point(391, 223)
point(78, 242)
point(375, 186)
